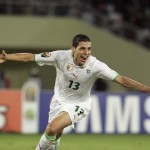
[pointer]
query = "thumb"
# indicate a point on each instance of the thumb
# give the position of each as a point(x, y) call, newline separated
point(4, 53)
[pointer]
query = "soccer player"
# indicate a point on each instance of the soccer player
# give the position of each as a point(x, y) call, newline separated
point(76, 71)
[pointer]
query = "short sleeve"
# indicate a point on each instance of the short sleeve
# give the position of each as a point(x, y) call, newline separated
point(104, 72)
point(47, 58)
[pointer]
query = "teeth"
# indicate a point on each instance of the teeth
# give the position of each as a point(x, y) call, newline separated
point(83, 57)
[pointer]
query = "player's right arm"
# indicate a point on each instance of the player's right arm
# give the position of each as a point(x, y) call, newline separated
point(25, 57)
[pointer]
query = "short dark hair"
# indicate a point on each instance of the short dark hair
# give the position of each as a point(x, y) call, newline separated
point(78, 38)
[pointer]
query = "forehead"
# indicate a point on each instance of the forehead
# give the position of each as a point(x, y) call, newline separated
point(84, 44)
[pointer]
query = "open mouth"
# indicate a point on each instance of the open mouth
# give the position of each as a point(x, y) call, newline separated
point(84, 58)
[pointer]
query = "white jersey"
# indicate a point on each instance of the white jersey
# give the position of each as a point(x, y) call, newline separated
point(73, 83)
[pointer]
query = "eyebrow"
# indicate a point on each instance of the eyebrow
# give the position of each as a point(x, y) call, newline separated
point(84, 47)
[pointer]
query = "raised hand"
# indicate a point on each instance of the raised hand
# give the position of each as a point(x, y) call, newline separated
point(3, 56)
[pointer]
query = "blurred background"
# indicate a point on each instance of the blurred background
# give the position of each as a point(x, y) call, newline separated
point(120, 35)
point(119, 30)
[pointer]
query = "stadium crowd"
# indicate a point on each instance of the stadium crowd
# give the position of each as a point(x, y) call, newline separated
point(127, 18)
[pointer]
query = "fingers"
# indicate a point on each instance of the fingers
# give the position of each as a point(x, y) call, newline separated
point(4, 53)
point(1, 61)
point(3, 56)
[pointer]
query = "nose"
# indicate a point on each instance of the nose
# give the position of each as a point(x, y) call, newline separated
point(86, 51)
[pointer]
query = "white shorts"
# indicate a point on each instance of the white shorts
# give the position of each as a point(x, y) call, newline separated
point(75, 111)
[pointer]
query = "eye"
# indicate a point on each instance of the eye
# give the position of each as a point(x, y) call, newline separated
point(89, 48)
point(82, 48)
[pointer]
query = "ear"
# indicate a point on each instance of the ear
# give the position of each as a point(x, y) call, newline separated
point(73, 49)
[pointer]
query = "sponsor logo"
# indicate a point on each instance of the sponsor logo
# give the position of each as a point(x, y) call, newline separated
point(46, 54)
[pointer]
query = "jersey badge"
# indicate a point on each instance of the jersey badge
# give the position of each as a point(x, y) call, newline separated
point(88, 71)
point(46, 54)
point(69, 67)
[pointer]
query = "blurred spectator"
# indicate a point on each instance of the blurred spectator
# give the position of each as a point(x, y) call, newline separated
point(100, 85)
point(3, 7)
point(4, 81)
point(39, 7)
point(142, 34)
point(115, 22)
point(18, 7)
point(76, 8)
point(62, 8)
point(35, 76)
point(87, 13)
point(127, 18)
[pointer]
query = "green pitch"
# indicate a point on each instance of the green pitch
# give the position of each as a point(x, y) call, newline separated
point(78, 142)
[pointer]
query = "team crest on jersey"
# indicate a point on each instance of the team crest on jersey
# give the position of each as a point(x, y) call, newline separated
point(46, 54)
point(88, 71)
point(69, 67)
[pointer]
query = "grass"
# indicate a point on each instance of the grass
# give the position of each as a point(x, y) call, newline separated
point(78, 142)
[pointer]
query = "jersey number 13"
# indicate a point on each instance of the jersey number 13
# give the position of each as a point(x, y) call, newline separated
point(74, 85)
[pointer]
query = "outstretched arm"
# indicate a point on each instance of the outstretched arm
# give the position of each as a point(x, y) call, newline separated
point(26, 57)
point(130, 83)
